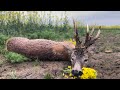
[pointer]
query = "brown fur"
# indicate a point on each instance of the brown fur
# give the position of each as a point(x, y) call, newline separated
point(40, 48)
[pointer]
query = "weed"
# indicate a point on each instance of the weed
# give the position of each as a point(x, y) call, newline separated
point(36, 63)
point(48, 76)
point(1, 62)
point(13, 75)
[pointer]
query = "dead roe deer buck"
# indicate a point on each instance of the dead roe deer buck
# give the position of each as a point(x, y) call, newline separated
point(51, 50)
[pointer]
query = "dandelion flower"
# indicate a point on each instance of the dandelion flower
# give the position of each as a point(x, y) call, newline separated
point(73, 42)
point(69, 67)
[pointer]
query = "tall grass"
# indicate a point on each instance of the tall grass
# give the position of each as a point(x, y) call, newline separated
point(34, 24)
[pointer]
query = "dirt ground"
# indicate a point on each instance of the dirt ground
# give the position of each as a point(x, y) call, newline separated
point(106, 63)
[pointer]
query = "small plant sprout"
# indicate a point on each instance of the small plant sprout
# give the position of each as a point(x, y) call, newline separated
point(48, 76)
point(13, 75)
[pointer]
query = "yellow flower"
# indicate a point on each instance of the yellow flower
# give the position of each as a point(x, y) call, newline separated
point(70, 74)
point(69, 67)
point(63, 74)
point(72, 77)
point(88, 73)
point(74, 42)
point(66, 76)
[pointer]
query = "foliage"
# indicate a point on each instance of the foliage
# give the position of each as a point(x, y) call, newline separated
point(3, 39)
point(19, 23)
point(15, 58)
point(74, 42)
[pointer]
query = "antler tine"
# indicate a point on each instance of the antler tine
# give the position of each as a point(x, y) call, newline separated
point(97, 34)
point(77, 39)
point(90, 40)
point(92, 31)
point(87, 28)
point(87, 34)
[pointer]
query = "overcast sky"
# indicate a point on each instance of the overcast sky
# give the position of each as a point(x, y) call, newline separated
point(94, 17)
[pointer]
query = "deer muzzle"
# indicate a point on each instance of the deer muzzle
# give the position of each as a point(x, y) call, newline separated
point(77, 69)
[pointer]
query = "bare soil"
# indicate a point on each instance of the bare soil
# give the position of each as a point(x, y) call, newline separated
point(106, 63)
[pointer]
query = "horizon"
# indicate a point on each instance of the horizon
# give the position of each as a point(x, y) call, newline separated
point(104, 18)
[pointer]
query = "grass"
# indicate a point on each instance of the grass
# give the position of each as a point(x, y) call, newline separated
point(15, 58)
point(109, 31)
point(48, 76)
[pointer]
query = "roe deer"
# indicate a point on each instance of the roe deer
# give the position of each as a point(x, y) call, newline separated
point(44, 49)
point(80, 54)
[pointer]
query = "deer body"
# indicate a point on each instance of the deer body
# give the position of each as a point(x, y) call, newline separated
point(51, 50)
point(42, 49)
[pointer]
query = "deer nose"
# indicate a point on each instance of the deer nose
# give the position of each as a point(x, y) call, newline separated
point(77, 73)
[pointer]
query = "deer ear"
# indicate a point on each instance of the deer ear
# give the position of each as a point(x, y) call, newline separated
point(69, 49)
point(91, 49)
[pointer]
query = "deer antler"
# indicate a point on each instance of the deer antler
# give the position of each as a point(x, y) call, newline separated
point(76, 36)
point(89, 38)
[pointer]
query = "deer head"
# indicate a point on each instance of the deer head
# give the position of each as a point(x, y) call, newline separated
point(80, 54)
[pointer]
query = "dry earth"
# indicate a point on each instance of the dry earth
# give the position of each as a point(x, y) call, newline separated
point(106, 64)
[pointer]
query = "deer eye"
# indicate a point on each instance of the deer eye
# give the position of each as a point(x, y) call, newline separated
point(72, 59)
point(85, 60)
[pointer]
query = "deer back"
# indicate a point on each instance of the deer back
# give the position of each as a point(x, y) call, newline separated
point(40, 48)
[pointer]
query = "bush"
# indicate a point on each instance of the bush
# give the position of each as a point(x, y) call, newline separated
point(3, 39)
point(49, 35)
point(32, 36)
point(44, 35)
point(15, 58)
